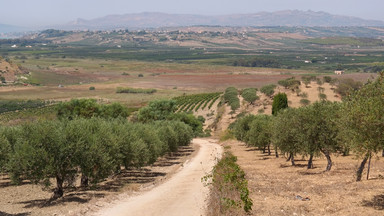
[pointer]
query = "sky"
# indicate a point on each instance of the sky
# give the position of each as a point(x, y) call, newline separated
point(33, 13)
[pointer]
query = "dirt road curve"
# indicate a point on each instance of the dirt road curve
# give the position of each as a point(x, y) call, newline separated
point(183, 194)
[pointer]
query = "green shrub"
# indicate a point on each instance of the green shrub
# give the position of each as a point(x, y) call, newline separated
point(230, 187)
point(268, 90)
point(92, 88)
point(135, 90)
point(322, 96)
point(305, 102)
point(327, 79)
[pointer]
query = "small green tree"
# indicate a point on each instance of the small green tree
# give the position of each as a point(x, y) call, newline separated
point(242, 126)
point(285, 133)
point(268, 90)
point(318, 130)
point(280, 101)
point(259, 134)
point(250, 95)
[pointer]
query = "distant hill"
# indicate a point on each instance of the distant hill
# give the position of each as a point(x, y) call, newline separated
point(280, 18)
point(9, 28)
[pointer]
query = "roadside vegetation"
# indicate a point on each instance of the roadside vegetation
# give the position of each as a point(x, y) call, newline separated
point(228, 187)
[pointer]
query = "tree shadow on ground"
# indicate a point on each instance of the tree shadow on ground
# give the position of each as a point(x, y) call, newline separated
point(308, 172)
point(18, 214)
point(5, 181)
point(289, 165)
point(377, 202)
point(128, 176)
point(76, 197)
point(252, 149)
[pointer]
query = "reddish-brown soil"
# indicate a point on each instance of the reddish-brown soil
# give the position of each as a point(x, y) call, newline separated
point(213, 81)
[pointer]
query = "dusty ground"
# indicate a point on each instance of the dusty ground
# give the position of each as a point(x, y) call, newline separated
point(275, 185)
point(183, 194)
point(28, 199)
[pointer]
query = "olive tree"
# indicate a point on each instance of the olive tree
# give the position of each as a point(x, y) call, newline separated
point(259, 134)
point(42, 153)
point(363, 121)
point(318, 130)
point(286, 131)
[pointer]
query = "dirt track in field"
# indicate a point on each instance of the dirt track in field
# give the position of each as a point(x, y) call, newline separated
point(183, 194)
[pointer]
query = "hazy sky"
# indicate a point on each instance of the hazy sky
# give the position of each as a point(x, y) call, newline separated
point(47, 12)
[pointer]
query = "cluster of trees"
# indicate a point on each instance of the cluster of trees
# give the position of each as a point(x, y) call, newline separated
point(88, 108)
point(322, 128)
point(166, 110)
point(290, 83)
point(347, 86)
point(135, 90)
point(257, 62)
point(94, 148)
point(92, 141)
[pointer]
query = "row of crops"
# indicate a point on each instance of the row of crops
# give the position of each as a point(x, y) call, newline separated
point(192, 103)
point(45, 112)
point(13, 105)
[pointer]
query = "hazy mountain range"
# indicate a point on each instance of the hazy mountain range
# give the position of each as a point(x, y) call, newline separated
point(156, 20)
point(9, 28)
point(280, 18)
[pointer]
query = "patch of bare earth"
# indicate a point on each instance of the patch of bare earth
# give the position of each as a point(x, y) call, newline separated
point(277, 188)
point(28, 199)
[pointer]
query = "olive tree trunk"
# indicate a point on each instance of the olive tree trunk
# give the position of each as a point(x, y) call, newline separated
point(359, 172)
point(84, 180)
point(292, 160)
point(328, 156)
point(276, 153)
point(58, 191)
point(310, 162)
point(369, 166)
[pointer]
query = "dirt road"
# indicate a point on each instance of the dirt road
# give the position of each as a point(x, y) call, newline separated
point(183, 194)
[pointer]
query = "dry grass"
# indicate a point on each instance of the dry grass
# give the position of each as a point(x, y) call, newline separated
point(274, 185)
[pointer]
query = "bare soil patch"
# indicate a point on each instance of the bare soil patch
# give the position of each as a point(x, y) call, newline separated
point(277, 188)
